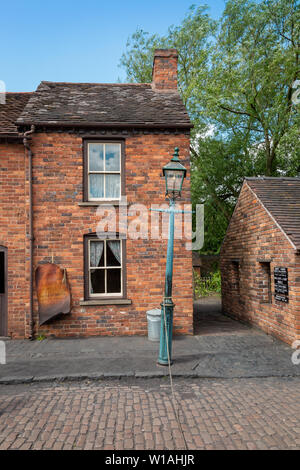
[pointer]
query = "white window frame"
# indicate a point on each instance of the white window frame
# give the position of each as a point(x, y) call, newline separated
point(105, 268)
point(92, 172)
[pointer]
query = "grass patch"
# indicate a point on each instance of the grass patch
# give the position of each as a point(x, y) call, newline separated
point(205, 286)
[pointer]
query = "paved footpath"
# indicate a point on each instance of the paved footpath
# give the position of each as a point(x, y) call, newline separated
point(221, 348)
point(138, 414)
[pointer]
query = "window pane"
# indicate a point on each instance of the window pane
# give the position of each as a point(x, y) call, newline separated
point(113, 253)
point(113, 183)
point(112, 157)
point(96, 254)
point(114, 281)
point(97, 281)
point(96, 157)
point(96, 186)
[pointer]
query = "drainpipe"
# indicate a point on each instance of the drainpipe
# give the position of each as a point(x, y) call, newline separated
point(31, 236)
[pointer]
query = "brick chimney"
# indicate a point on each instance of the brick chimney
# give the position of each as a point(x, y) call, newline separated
point(164, 72)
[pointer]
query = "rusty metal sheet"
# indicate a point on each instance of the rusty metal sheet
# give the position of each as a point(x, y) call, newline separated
point(53, 291)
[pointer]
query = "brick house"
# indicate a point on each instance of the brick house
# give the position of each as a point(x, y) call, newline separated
point(260, 257)
point(65, 150)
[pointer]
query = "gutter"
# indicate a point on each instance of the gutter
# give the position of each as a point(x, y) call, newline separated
point(10, 138)
point(31, 234)
point(130, 125)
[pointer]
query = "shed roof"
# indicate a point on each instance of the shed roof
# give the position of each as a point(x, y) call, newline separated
point(281, 198)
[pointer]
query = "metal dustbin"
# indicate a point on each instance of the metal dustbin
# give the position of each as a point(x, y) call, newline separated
point(154, 318)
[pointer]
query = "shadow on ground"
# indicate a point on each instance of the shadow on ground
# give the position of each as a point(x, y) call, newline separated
point(209, 320)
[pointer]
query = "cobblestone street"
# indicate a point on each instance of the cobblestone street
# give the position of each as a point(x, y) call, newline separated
point(261, 413)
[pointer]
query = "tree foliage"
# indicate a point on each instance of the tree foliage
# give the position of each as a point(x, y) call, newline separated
point(236, 77)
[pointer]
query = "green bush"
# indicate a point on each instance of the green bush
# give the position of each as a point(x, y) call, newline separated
point(204, 286)
point(40, 337)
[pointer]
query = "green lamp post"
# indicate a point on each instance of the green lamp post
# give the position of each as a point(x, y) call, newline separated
point(174, 173)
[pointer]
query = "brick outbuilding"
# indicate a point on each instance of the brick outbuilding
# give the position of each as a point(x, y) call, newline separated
point(65, 150)
point(260, 257)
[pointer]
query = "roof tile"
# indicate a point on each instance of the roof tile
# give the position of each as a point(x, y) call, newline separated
point(281, 197)
point(10, 111)
point(56, 103)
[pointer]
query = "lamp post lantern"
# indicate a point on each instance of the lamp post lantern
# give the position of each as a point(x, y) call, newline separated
point(174, 173)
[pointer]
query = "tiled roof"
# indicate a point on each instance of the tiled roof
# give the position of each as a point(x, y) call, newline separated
point(281, 198)
point(89, 104)
point(10, 111)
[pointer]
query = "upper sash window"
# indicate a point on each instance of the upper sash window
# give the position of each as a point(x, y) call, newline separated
point(103, 171)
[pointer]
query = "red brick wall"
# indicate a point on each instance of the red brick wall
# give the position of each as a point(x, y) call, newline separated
point(13, 226)
point(252, 235)
point(60, 224)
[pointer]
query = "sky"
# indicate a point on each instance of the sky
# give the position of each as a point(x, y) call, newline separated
point(78, 41)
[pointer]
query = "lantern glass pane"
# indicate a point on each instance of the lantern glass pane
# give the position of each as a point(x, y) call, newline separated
point(174, 180)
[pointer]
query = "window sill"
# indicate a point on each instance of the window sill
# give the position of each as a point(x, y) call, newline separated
point(264, 260)
point(113, 202)
point(106, 302)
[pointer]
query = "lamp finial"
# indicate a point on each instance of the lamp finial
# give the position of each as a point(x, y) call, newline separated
point(176, 155)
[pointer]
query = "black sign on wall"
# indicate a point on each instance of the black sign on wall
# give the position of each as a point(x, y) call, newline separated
point(281, 284)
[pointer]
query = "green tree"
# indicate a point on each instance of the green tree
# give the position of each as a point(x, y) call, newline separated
point(192, 39)
point(236, 79)
point(255, 63)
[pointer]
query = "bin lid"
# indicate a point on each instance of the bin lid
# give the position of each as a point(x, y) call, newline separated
point(156, 312)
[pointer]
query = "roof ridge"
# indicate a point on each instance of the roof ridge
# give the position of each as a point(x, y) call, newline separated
point(262, 178)
point(17, 92)
point(97, 83)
